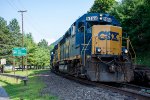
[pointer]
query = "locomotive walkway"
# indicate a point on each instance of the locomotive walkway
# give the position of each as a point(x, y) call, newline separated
point(3, 94)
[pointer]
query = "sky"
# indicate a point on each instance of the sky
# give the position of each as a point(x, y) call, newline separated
point(45, 19)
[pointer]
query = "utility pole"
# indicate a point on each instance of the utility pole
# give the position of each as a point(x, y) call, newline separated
point(22, 11)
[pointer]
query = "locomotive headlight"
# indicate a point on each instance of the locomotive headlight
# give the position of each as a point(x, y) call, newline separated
point(98, 50)
point(125, 51)
point(100, 18)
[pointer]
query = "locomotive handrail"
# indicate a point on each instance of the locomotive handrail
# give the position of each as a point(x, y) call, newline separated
point(133, 50)
point(128, 46)
point(84, 48)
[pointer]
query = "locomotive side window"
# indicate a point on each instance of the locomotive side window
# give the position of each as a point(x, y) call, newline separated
point(89, 28)
point(81, 27)
point(73, 28)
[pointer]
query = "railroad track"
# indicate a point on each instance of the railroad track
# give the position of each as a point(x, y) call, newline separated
point(133, 87)
point(138, 92)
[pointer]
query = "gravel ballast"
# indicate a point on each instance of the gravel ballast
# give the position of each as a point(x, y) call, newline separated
point(66, 89)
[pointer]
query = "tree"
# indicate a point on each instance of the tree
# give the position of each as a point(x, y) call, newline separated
point(42, 57)
point(5, 41)
point(31, 48)
point(44, 53)
point(4, 37)
point(14, 28)
point(102, 6)
point(43, 43)
point(3, 24)
point(38, 54)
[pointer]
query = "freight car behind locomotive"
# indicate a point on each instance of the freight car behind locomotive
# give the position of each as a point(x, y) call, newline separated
point(93, 48)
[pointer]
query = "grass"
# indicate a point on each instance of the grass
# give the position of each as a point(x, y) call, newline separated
point(17, 90)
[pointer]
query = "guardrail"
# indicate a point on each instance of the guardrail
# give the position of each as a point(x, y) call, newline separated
point(24, 78)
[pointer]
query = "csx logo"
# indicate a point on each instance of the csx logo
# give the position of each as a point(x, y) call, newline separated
point(103, 35)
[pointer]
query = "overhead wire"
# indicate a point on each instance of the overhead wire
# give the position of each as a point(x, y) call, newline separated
point(11, 5)
point(33, 22)
point(16, 8)
point(19, 1)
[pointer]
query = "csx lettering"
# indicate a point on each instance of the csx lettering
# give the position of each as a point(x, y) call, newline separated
point(103, 35)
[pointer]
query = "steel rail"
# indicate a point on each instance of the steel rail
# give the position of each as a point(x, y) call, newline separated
point(129, 92)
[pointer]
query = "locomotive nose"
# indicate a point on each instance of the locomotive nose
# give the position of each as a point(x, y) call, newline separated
point(108, 38)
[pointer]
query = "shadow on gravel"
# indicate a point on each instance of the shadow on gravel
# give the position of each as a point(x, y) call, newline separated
point(17, 91)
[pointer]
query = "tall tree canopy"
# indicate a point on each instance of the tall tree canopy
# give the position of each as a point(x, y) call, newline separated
point(14, 28)
point(134, 16)
point(43, 43)
point(5, 38)
point(102, 6)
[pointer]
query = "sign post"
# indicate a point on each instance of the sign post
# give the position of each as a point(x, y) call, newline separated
point(20, 52)
point(3, 62)
point(27, 65)
point(14, 64)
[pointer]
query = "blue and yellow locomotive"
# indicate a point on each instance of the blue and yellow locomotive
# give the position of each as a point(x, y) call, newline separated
point(92, 48)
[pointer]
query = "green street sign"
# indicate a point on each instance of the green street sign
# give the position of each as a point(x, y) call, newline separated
point(19, 51)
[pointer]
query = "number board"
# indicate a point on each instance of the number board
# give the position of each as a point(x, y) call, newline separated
point(92, 18)
point(19, 51)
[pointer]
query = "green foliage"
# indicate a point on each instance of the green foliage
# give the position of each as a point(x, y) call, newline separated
point(3, 24)
point(43, 43)
point(143, 58)
point(14, 28)
point(51, 47)
point(6, 41)
point(102, 6)
point(10, 37)
point(31, 48)
point(38, 54)
point(42, 57)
